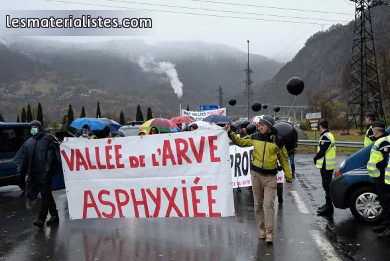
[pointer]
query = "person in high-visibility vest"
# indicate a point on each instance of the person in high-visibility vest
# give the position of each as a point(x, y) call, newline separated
point(386, 201)
point(86, 133)
point(325, 160)
point(376, 167)
point(369, 137)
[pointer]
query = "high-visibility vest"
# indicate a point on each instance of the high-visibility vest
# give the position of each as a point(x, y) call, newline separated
point(375, 157)
point(330, 155)
point(367, 138)
point(387, 173)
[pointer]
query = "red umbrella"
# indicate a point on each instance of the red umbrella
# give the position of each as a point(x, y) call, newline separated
point(181, 119)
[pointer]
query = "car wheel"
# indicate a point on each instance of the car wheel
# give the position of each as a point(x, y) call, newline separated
point(365, 206)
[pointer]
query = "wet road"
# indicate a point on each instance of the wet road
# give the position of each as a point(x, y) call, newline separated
point(299, 235)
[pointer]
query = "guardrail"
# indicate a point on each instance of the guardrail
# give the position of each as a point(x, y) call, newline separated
point(346, 144)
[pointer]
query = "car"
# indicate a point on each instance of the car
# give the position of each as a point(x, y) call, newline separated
point(135, 123)
point(12, 137)
point(130, 130)
point(353, 188)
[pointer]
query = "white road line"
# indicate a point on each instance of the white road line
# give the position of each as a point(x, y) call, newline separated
point(301, 206)
point(327, 250)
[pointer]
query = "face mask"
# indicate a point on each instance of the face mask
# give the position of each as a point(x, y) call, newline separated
point(85, 134)
point(34, 131)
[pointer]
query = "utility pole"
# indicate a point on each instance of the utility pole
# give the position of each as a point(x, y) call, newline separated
point(364, 88)
point(220, 96)
point(248, 82)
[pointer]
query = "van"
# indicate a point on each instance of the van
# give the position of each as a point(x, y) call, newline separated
point(12, 137)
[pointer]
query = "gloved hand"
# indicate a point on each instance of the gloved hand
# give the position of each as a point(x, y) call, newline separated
point(315, 160)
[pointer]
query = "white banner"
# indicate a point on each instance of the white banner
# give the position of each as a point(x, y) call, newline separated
point(240, 164)
point(167, 175)
point(200, 115)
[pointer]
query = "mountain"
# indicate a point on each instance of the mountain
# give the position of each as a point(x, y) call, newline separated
point(120, 74)
point(324, 64)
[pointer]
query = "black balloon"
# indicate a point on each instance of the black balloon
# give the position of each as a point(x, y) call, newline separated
point(251, 128)
point(295, 86)
point(276, 109)
point(232, 102)
point(265, 107)
point(256, 106)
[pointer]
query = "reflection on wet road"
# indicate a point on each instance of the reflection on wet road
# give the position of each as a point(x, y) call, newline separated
point(298, 235)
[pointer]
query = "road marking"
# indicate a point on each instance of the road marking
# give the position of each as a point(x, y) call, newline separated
point(301, 206)
point(327, 250)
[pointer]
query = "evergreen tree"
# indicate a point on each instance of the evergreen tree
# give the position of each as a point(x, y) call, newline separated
point(18, 119)
point(23, 116)
point(188, 108)
point(70, 118)
point(1, 117)
point(139, 116)
point(149, 114)
point(82, 115)
point(122, 119)
point(40, 113)
point(98, 113)
point(63, 126)
point(29, 114)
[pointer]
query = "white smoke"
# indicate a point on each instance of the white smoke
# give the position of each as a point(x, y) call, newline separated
point(148, 64)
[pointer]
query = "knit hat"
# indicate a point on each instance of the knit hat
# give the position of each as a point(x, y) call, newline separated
point(268, 120)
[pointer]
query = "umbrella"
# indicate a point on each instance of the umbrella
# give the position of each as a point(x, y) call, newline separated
point(301, 134)
point(159, 122)
point(200, 123)
point(94, 123)
point(114, 126)
point(182, 119)
point(217, 119)
point(240, 123)
point(257, 119)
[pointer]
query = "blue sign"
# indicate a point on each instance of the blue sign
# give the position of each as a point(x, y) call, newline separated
point(208, 107)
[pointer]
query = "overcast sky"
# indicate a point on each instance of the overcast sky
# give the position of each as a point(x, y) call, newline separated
point(275, 39)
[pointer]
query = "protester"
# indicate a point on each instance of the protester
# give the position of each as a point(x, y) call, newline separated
point(86, 133)
point(40, 159)
point(268, 148)
point(143, 133)
point(153, 131)
point(193, 127)
point(104, 133)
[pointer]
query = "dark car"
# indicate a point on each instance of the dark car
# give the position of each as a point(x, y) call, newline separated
point(12, 137)
point(353, 188)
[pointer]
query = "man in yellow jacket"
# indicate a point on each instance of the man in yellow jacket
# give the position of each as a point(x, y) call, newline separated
point(268, 148)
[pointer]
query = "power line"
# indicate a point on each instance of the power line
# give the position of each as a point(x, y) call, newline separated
point(223, 11)
point(270, 7)
point(187, 13)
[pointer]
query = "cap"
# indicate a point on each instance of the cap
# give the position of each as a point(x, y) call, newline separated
point(379, 125)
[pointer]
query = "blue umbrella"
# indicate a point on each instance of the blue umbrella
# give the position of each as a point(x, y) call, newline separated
point(114, 126)
point(94, 123)
point(218, 119)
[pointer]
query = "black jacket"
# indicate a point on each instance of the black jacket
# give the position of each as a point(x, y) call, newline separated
point(39, 158)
